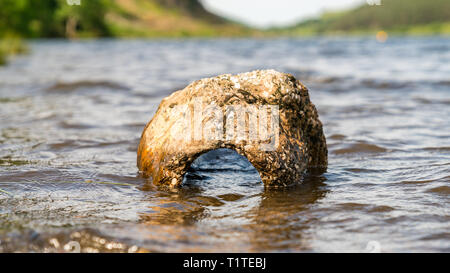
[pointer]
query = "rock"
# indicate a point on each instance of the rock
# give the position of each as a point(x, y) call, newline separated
point(266, 116)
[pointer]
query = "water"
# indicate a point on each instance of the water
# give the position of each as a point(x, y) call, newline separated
point(71, 115)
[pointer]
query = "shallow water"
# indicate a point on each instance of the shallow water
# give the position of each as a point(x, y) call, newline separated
point(71, 115)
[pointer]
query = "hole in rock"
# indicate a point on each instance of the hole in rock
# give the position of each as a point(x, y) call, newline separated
point(223, 171)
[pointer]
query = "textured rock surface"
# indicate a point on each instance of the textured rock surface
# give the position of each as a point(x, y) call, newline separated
point(167, 149)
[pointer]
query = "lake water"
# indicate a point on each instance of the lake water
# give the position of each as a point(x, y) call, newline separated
point(71, 116)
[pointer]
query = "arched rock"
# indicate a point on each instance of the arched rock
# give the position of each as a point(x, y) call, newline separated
point(266, 116)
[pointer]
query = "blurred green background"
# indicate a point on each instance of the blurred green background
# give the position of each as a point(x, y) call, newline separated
point(23, 19)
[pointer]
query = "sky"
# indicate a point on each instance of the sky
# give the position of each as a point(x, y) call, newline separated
point(267, 13)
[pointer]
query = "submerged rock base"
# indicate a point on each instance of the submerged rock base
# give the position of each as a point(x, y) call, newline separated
point(266, 116)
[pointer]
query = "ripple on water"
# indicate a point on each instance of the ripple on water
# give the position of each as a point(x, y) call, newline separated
point(425, 181)
point(85, 84)
point(363, 170)
point(231, 197)
point(358, 148)
point(337, 137)
point(437, 149)
point(381, 209)
point(443, 190)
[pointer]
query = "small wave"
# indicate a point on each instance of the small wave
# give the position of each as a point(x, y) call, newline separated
point(43, 175)
point(435, 48)
point(230, 197)
point(68, 125)
point(381, 209)
point(359, 148)
point(321, 79)
point(445, 190)
point(444, 83)
point(134, 125)
point(423, 100)
point(437, 149)
point(383, 84)
point(312, 76)
point(352, 206)
point(72, 86)
point(409, 182)
point(366, 207)
point(441, 179)
point(81, 144)
point(207, 201)
point(436, 236)
point(398, 219)
point(362, 170)
point(337, 137)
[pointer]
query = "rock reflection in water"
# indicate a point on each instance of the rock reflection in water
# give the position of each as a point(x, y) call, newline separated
point(222, 191)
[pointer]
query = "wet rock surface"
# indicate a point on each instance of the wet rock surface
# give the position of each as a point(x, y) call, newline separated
point(266, 116)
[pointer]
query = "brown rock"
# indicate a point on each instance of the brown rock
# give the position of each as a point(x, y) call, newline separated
point(265, 116)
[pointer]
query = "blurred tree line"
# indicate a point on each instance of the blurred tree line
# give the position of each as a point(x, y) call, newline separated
point(394, 13)
point(399, 15)
point(52, 18)
point(56, 18)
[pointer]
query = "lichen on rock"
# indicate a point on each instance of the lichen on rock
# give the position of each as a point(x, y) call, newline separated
point(264, 115)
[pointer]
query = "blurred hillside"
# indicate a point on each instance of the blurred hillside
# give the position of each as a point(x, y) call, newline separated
point(188, 18)
point(112, 18)
point(409, 17)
